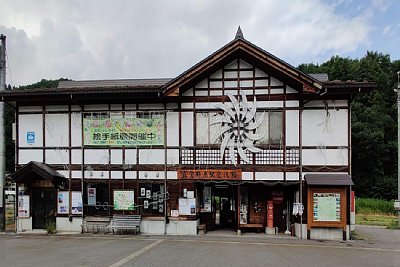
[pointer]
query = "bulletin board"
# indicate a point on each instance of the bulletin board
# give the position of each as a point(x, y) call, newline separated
point(187, 206)
point(76, 202)
point(63, 202)
point(23, 206)
point(327, 207)
point(124, 200)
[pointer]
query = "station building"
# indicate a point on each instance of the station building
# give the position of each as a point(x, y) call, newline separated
point(241, 141)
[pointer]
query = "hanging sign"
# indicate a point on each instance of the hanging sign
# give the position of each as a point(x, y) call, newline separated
point(30, 138)
point(118, 129)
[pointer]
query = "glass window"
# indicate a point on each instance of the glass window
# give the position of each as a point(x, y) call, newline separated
point(271, 127)
point(206, 132)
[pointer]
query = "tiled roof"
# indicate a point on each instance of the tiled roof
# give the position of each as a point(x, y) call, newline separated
point(112, 83)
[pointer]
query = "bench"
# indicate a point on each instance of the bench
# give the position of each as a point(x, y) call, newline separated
point(257, 226)
point(95, 223)
point(125, 222)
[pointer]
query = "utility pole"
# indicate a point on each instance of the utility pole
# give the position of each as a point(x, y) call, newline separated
point(2, 129)
point(397, 202)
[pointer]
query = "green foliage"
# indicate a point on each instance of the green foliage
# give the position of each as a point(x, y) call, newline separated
point(374, 206)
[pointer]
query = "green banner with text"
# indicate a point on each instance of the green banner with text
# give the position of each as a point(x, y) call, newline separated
point(120, 129)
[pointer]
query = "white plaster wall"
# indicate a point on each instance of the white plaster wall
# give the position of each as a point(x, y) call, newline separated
point(290, 90)
point(130, 156)
point(25, 156)
point(325, 129)
point(247, 176)
point(24, 224)
point(57, 156)
point(210, 105)
point(76, 156)
point(292, 176)
point(96, 156)
point(76, 129)
point(116, 175)
point(187, 106)
point(338, 157)
point(130, 175)
point(30, 109)
point(172, 175)
point(201, 92)
point(172, 129)
point(30, 123)
point(187, 129)
point(151, 156)
point(154, 175)
point(64, 172)
point(76, 174)
point(188, 92)
point(116, 156)
point(270, 176)
point(64, 225)
point(116, 106)
point(329, 103)
point(292, 103)
point(269, 104)
point(56, 130)
point(56, 108)
point(173, 156)
point(292, 127)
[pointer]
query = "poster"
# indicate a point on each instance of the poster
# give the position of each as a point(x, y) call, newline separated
point(187, 206)
point(124, 200)
point(63, 202)
point(91, 196)
point(23, 206)
point(142, 191)
point(118, 129)
point(207, 199)
point(76, 202)
point(326, 207)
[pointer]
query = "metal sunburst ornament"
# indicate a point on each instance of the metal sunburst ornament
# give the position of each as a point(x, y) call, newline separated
point(239, 119)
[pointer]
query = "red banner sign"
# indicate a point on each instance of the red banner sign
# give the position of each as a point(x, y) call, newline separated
point(210, 174)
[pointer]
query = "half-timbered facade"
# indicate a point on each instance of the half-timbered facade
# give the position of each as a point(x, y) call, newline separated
point(229, 143)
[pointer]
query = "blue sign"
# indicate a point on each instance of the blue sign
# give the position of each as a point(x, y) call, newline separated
point(30, 137)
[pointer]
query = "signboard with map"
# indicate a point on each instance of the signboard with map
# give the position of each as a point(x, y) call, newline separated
point(124, 200)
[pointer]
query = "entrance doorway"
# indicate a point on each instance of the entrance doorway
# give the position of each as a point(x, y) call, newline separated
point(43, 207)
point(224, 206)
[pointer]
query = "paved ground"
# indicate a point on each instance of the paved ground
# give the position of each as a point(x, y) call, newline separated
point(380, 247)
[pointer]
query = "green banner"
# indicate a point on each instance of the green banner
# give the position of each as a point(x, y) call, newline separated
point(117, 129)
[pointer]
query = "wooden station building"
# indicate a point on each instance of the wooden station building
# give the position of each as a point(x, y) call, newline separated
point(242, 141)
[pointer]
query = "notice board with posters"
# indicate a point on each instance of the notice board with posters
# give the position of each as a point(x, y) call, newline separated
point(327, 207)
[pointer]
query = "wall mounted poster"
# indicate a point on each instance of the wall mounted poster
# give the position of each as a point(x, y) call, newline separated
point(76, 203)
point(187, 206)
point(23, 206)
point(63, 202)
point(123, 129)
point(91, 196)
point(124, 200)
point(326, 207)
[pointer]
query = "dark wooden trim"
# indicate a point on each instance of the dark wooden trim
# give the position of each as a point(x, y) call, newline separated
point(16, 160)
point(44, 132)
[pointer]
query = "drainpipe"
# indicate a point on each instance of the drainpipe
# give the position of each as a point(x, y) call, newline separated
point(2, 129)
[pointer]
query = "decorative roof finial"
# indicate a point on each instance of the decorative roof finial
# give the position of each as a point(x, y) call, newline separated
point(239, 34)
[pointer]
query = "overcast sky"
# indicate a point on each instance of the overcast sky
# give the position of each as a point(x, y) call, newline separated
point(100, 39)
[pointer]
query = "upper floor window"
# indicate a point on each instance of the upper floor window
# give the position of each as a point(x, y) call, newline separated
point(271, 127)
point(206, 132)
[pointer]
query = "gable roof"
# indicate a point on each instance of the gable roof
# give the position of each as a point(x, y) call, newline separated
point(251, 53)
point(36, 171)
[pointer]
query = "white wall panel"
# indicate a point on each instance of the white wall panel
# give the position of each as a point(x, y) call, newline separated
point(116, 106)
point(243, 64)
point(76, 174)
point(275, 91)
point(261, 82)
point(270, 176)
point(151, 106)
point(172, 175)
point(275, 82)
point(215, 92)
point(216, 75)
point(97, 174)
point(30, 109)
point(201, 92)
point(172, 156)
point(230, 75)
point(247, 176)
point(322, 157)
point(25, 156)
point(325, 129)
point(260, 73)
point(290, 90)
point(64, 173)
point(292, 127)
point(57, 108)
point(96, 156)
point(328, 103)
point(246, 83)
point(187, 105)
point(116, 156)
point(172, 106)
point(293, 103)
point(172, 129)
point(30, 123)
point(269, 104)
point(76, 156)
point(292, 176)
point(101, 107)
point(154, 175)
point(259, 92)
point(188, 92)
point(130, 106)
point(187, 129)
point(151, 156)
point(76, 129)
point(227, 84)
point(56, 130)
point(202, 84)
point(246, 74)
point(116, 175)
point(76, 108)
point(130, 156)
point(130, 175)
point(57, 156)
point(210, 105)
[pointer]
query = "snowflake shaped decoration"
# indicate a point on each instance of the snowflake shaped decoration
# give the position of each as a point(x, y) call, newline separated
point(239, 122)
